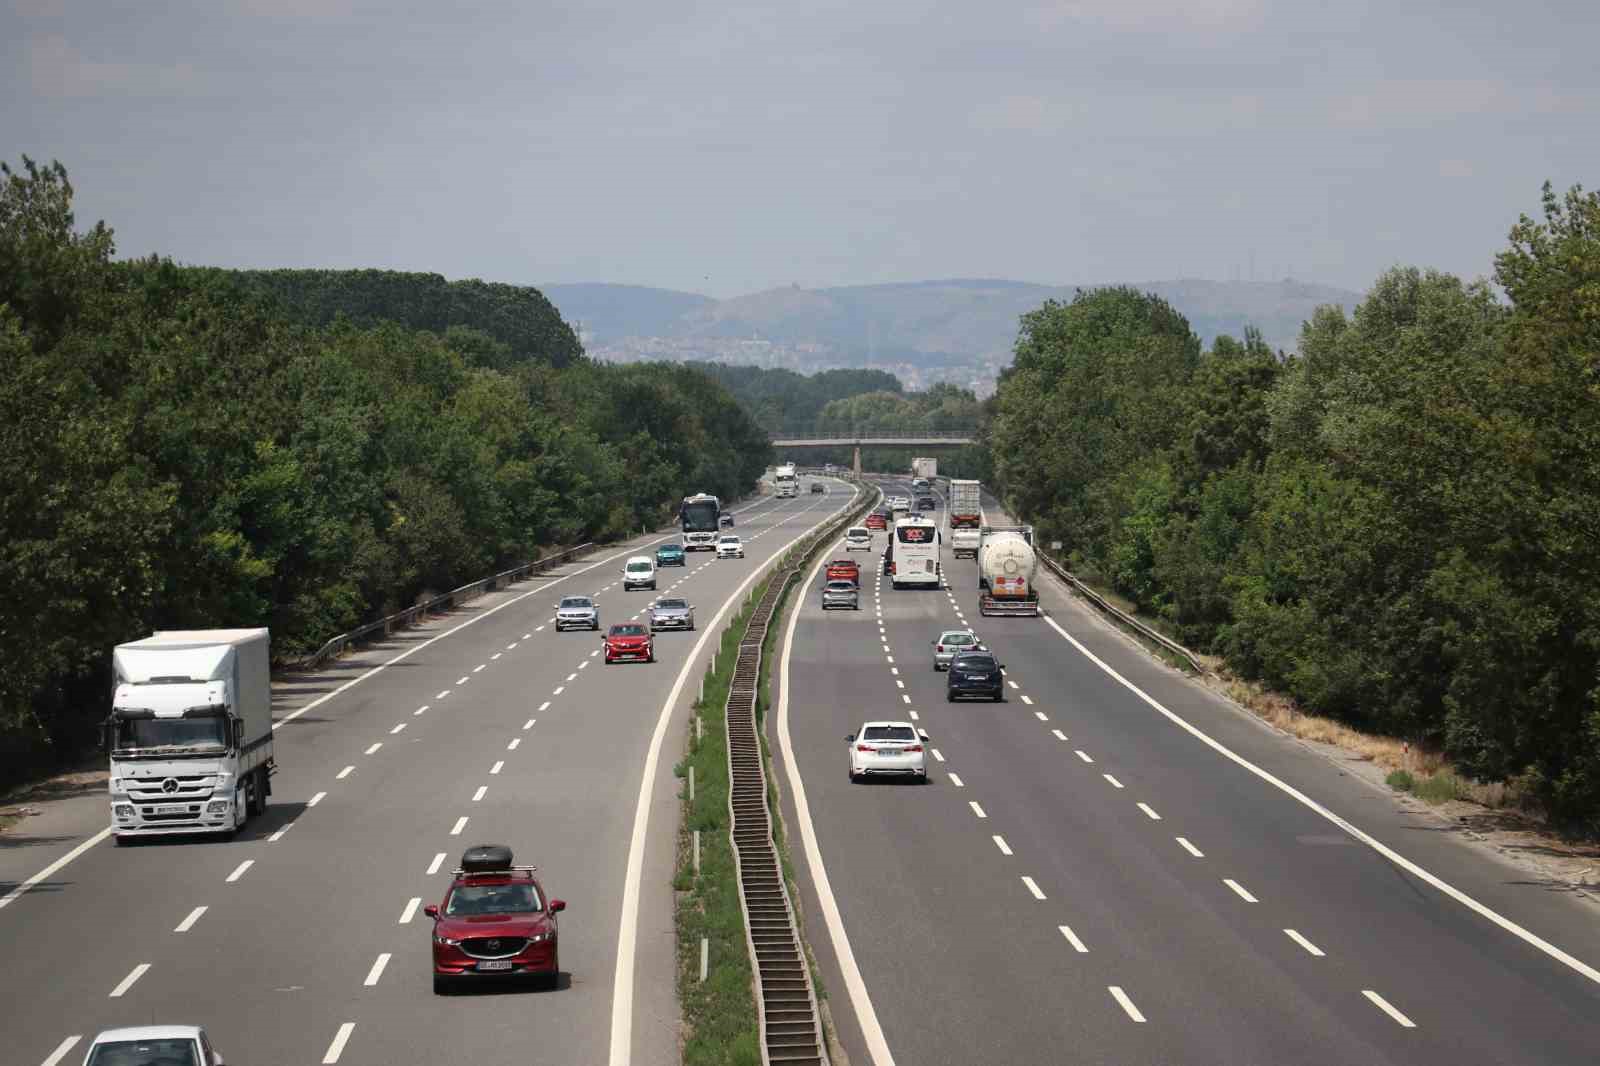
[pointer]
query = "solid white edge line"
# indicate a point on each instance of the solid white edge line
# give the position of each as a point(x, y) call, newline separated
point(621, 1052)
point(1072, 938)
point(50, 870)
point(127, 982)
point(1127, 1004)
point(61, 1050)
point(1525, 935)
point(377, 970)
point(1303, 942)
point(188, 922)
point(855, 985)
point(336, 1048)
point(1384, 1005)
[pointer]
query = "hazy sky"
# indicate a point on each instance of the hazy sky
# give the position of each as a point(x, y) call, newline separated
point(724, 148)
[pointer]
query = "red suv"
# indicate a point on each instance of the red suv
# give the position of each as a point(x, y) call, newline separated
point(844, 570)
point(629, 640)
point(876, 521)
point(495, 921)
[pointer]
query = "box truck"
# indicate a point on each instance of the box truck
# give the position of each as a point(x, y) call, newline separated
point(966, 515)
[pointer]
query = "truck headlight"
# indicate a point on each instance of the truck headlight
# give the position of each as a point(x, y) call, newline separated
point(123, 810)
point(219, 806)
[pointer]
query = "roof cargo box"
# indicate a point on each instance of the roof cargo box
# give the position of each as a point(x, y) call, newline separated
point(486, 858)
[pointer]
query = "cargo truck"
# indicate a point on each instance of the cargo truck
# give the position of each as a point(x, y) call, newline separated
point(190, 732)
point(1006, 565)
point(966, 516)
point(785, 482)
point(926, 467)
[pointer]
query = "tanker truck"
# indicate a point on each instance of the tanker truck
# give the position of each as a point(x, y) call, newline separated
point(1006, 564)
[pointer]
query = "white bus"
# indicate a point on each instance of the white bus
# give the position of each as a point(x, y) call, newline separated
point(914, 551)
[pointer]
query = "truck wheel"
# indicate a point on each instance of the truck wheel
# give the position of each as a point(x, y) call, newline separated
point(260, 791)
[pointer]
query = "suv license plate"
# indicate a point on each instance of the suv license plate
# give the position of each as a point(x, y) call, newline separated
point(504, 964)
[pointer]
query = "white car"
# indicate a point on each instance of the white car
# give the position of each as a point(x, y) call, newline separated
point(181, 1045)
point(639, 572)
point(887, 749)
point(730, 547)
point(953, 642)
point(858, 539)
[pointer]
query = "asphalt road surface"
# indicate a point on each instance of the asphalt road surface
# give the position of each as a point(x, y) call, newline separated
point(303, 941)
point(1084, 880)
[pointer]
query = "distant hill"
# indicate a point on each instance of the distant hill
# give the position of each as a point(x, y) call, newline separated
point(611, 312)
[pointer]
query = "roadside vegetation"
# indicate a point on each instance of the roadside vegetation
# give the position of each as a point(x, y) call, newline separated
point(305, 450)
point(1397, 528)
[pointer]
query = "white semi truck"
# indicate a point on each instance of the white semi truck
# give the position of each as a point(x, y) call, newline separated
point(785, 482)
point(190, 732)
point(1006, 566)
point(966, 516)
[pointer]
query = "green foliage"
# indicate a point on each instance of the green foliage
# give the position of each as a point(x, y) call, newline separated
point(303, 450)
point(1399, 525)
point(1400, 780)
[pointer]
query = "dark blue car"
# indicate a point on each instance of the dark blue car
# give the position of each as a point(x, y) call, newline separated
point(975, 673)
point(670, 555)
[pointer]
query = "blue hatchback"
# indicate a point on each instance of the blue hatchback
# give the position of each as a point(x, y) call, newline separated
point(670, 555)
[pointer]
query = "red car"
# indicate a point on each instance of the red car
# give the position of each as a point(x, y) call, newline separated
point(630, 640)
point(844, 570)
point(495, 921)
point(876, 521)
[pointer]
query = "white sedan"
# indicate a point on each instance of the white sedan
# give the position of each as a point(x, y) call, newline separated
point(730, 547)
point(887, 749)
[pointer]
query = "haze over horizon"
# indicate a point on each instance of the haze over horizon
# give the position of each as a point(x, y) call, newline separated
point(727, 152)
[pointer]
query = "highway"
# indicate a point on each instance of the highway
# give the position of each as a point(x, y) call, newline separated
point(302, 941)
point(1109, 867)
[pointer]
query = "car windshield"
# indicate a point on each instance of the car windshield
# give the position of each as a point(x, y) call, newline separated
point(170, 1051)
point(576, 601)
point(730, 540)
point(958, 638)
point(856, 533)
point(521, 898)
point(889, 732)
point(629, 630)
point(671, 605)
point(638, 567)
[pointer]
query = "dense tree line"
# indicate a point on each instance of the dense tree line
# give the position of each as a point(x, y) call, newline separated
point(784, 401)
point(1398, 525)
point(183, 449)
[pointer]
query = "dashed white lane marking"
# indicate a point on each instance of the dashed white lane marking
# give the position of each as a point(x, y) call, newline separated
point(1000, 842)
point(461, 823)
point(1303, 942)
point(895, 670)
point(373, 750)
point(377, 970)
point(1033, 887)
point(582, 665)
point(497, 766)
point(905, 697)
point(442, 695)
point(936, 754)
point(529, 723)
point(1239, 890)
point(238, 871)
point(1127, 1004)
point(496, 655)
point(411, 910)
point(188, 923)
point(433, 867)
point(510, 646)
point(1072, 938)
point(342, 774)
point(1190, 848)
point(314, 800)
point(573, 676)
point(1029, 701)
point(1083, 755)
point(421, 710)
point(1383, 1005)
point(127, 982)
point(480, 666)
point(1154, 817)
point(61, 1050)
point(397, 729)
point(976, 809)
point(538, 629)
point(545, 706)
point(899, 682)
point(527, 636)
point(478, 795)
point(1113, 781)
point(594, 653)
point(340, 1039)
point(516, 742)
point(277, 836)
point(1013, 684)
point(890, 658)
point(559, 690)
point(1059, 734)
point(462, 680)
point(1041, 716)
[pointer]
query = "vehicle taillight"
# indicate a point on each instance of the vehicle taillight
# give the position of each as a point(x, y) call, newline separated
point(865, 747)
point(914, 747)
point(939, 647)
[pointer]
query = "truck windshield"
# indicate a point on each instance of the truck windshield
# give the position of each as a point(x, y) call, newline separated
point(172, 733)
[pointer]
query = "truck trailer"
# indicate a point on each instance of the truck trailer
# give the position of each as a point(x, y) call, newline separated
point(1006, 566)
point(190, 732)
point(925, 466)
point(966, 516)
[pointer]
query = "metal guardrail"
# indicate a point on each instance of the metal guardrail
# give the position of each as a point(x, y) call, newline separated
point(1122, 616)
point(789, 1020)
point(444, 601)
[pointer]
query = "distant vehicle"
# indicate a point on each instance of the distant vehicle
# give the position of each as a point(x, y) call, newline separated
point(153, 1045)
point(727, 521)
point(898, 510)
point(898, 501)
point(784, 481)
point(844, 570)
point(877, 521)
point(495, 922)
point(887, 749)
point(577, 612)
point(1006, 565)
point(914, 545)
point(671, 555)
point(671, 613)
point(888, 556)
point(639, 572)
point(730, 547)
point(953, 642)
point(966, 516)
point(927, 503)
point(925, 467)
point(920, 485)
point(190, 732)
point(817, 486)
point(841, 593)
point(700, 516)
point(974, 673)
point(858, 538)
point(629, 640)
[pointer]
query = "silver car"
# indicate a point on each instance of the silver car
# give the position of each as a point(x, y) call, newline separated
point(577, 612)
point(953, 642)
point(671, 613)
point(840, 593)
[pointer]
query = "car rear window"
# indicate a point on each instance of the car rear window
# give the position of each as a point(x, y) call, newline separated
point(169, 1051)
point(957, 638)
point(976, 662)
point(889, 732)
point(631, 629)
point(841, 586)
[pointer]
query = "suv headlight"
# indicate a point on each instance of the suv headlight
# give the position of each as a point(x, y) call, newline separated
point(437, 939)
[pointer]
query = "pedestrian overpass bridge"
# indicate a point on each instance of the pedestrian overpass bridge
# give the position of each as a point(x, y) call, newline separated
point(858, 439)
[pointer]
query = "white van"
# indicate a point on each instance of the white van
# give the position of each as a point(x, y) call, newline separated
point(639, 572)
point(858, 538)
